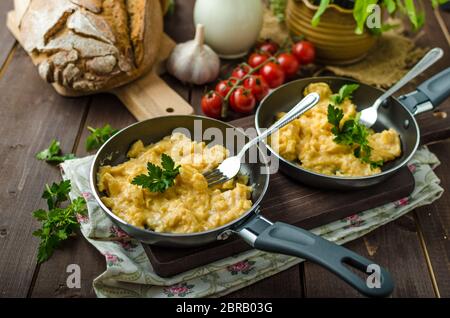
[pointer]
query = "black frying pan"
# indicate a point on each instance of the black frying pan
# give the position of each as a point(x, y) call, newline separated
point(397, 113)
point(254, 229)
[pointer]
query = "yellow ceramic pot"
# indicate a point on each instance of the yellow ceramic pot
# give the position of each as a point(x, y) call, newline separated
point(334, 37)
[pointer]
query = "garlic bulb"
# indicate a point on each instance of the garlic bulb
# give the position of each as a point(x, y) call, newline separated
point(193, 61)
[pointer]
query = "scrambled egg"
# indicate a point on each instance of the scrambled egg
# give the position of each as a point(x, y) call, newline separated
point(188, 206)
point(308, 140)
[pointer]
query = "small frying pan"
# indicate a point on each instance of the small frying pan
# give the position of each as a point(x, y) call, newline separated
point(254, 229)
point(397, 113)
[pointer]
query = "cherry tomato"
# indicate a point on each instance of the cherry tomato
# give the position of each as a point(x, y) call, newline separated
point(223, 87)
point(240, 71)
point(257, 85)
point(242, 100)
point(272, 74)
point(212, 104)
point(268, 46)
point(304, 51)
point(288, 64)
point(256, 59)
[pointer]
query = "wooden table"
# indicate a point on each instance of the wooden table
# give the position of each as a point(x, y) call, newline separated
point(415, 248)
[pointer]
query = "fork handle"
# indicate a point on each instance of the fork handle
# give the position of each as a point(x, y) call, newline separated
point(304, 105)
point(429, 59)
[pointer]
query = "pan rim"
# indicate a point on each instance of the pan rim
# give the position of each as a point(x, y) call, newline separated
point(221, 229)
point(338, 178)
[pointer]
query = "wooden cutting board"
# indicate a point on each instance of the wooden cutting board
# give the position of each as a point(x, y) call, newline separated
point(290, 202)
point(147, 97)
point(296, 204)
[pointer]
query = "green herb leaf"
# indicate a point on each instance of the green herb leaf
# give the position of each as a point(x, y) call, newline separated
point(40, 214)
point(171, 7)
point(157, 179)
point(79, 206)
point(58, 223)
point(351, 133)
point(56, 193)
point(322, 7)
point(345, 91)
point(412, 14)
point(169, 165)
point(361, 12)
point(99, 136)
point(435, 3)
point(376, 164)
point(390, 5)
point(335, 116)
point(52, 153)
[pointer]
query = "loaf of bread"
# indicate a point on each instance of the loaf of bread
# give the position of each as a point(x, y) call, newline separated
point(92, 45)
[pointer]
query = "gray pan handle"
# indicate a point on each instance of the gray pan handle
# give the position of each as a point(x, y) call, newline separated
point(429, 59)
point(290, 240)
point(437, 88)
point(429, 94)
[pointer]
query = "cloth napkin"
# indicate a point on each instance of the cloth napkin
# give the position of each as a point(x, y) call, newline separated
point(129, 272)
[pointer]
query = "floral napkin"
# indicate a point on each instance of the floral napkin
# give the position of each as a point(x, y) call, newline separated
point(129, 273)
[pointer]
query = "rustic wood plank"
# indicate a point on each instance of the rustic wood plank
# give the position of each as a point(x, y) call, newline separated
point(431, 36)
point(395, 247)
point(285, 284)
point(51, 279)
point(443, 18)
point(415, 280)
point(180, 25)
point(6, 39)
point(434, 221)
point(104, 109)
point(31, 114)
point(99, 118)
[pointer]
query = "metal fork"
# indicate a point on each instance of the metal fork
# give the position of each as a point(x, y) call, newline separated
point(230, 167)
point(369, 115)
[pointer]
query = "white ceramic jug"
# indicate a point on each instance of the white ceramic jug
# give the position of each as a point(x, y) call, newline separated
point(231, 26)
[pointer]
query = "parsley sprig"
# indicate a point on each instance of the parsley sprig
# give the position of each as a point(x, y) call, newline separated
point(56, 193)
point(157, 179)
point(57, 223)
point(345, 91)
point(99, 136)
point(53, 153)
point(351, 133)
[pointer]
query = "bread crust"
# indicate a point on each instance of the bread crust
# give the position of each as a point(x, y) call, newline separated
point(85, 46)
